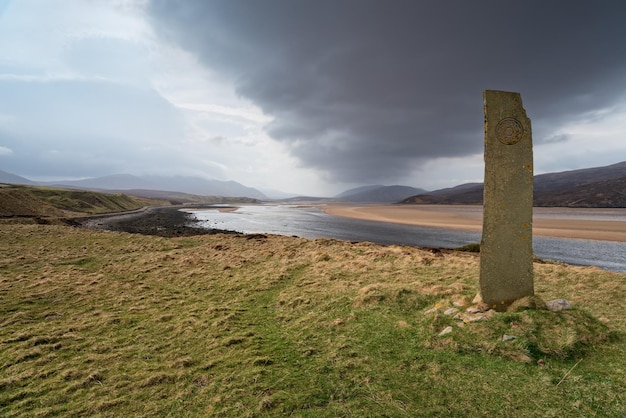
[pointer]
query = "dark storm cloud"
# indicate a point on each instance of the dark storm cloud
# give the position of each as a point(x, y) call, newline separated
point(368, 90)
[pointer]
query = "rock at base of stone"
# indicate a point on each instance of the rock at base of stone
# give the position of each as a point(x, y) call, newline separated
point(529, 302)
point(477, 299)
point(557, 305)
point(450, 311)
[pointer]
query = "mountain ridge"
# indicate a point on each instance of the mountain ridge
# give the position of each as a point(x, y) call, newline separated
point(126, 182)
point(11, 178)
point(588, 187)
point(378, 194)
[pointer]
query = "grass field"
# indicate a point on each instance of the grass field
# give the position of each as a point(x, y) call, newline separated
point(113, 324)
point(32, 204)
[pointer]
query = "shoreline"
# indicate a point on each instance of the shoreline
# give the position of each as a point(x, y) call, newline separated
point(549, 222)
point(469, 218)
point(164, 221)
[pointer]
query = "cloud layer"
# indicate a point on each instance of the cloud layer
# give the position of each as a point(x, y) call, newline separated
point(368, 91)
point(310, 97)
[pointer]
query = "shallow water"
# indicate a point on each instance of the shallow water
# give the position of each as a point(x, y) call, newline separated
point(311, 223)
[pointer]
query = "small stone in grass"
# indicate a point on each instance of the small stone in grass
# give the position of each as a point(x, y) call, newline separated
point(557, 305)
point(450, 311)
point(446, 330)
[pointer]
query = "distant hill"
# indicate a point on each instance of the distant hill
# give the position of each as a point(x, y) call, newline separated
point(464, 194)
point(277, 194)
point(378, 194)
point(112, 182)
point(590, 187)
point(13, 179)
point(178, 198)
point(204, 187)
point(307, 199)
point(358, 190)
point(123, 182)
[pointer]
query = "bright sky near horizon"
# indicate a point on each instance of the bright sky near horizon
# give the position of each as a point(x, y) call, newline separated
point(308, 97)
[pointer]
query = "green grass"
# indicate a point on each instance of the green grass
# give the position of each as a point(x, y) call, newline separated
point(112, 324)
point(470, 248)
point(52, 203)
point(86, 201)
point(39, 204)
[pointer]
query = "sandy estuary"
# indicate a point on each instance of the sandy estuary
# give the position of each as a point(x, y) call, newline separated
point(576, 236)
point(606, 224)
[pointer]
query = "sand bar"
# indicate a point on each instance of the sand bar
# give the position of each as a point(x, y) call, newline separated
point(597, 224)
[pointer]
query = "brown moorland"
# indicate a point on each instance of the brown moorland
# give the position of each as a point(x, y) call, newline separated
point(100, 323)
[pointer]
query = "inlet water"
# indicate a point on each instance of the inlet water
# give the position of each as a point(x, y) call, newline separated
point(311, 223)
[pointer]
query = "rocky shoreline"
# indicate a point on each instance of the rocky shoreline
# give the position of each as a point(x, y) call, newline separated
point(164, 221)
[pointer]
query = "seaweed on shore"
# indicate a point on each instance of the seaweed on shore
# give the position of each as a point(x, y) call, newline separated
point(160, 221)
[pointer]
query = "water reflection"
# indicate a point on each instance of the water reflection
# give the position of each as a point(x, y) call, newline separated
point(311, 223)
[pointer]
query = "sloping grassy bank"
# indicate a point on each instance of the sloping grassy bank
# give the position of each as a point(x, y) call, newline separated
point(33, 204)
point(113, 324)
point(82, 201)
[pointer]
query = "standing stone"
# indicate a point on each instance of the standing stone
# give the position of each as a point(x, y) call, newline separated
point(506, 258)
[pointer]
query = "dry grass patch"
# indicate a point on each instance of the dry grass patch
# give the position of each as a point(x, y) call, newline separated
point(528, 336)
point(113, 324)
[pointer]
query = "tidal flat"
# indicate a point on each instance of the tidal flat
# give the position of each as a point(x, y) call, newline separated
point(606, 224)
point(101, 323)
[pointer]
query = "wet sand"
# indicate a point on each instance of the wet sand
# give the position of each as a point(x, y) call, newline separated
point(552, 222)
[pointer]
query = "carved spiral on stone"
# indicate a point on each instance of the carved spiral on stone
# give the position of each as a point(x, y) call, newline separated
point(509, 131)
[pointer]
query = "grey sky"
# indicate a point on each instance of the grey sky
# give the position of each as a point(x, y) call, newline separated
point(306, 96)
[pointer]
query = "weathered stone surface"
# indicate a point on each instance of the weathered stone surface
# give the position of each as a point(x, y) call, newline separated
point(433, 309)
point(477, 299)
point(450, 311)
point(468, 317)
point(445, 331)
point(557, 305)
point(506, 263)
